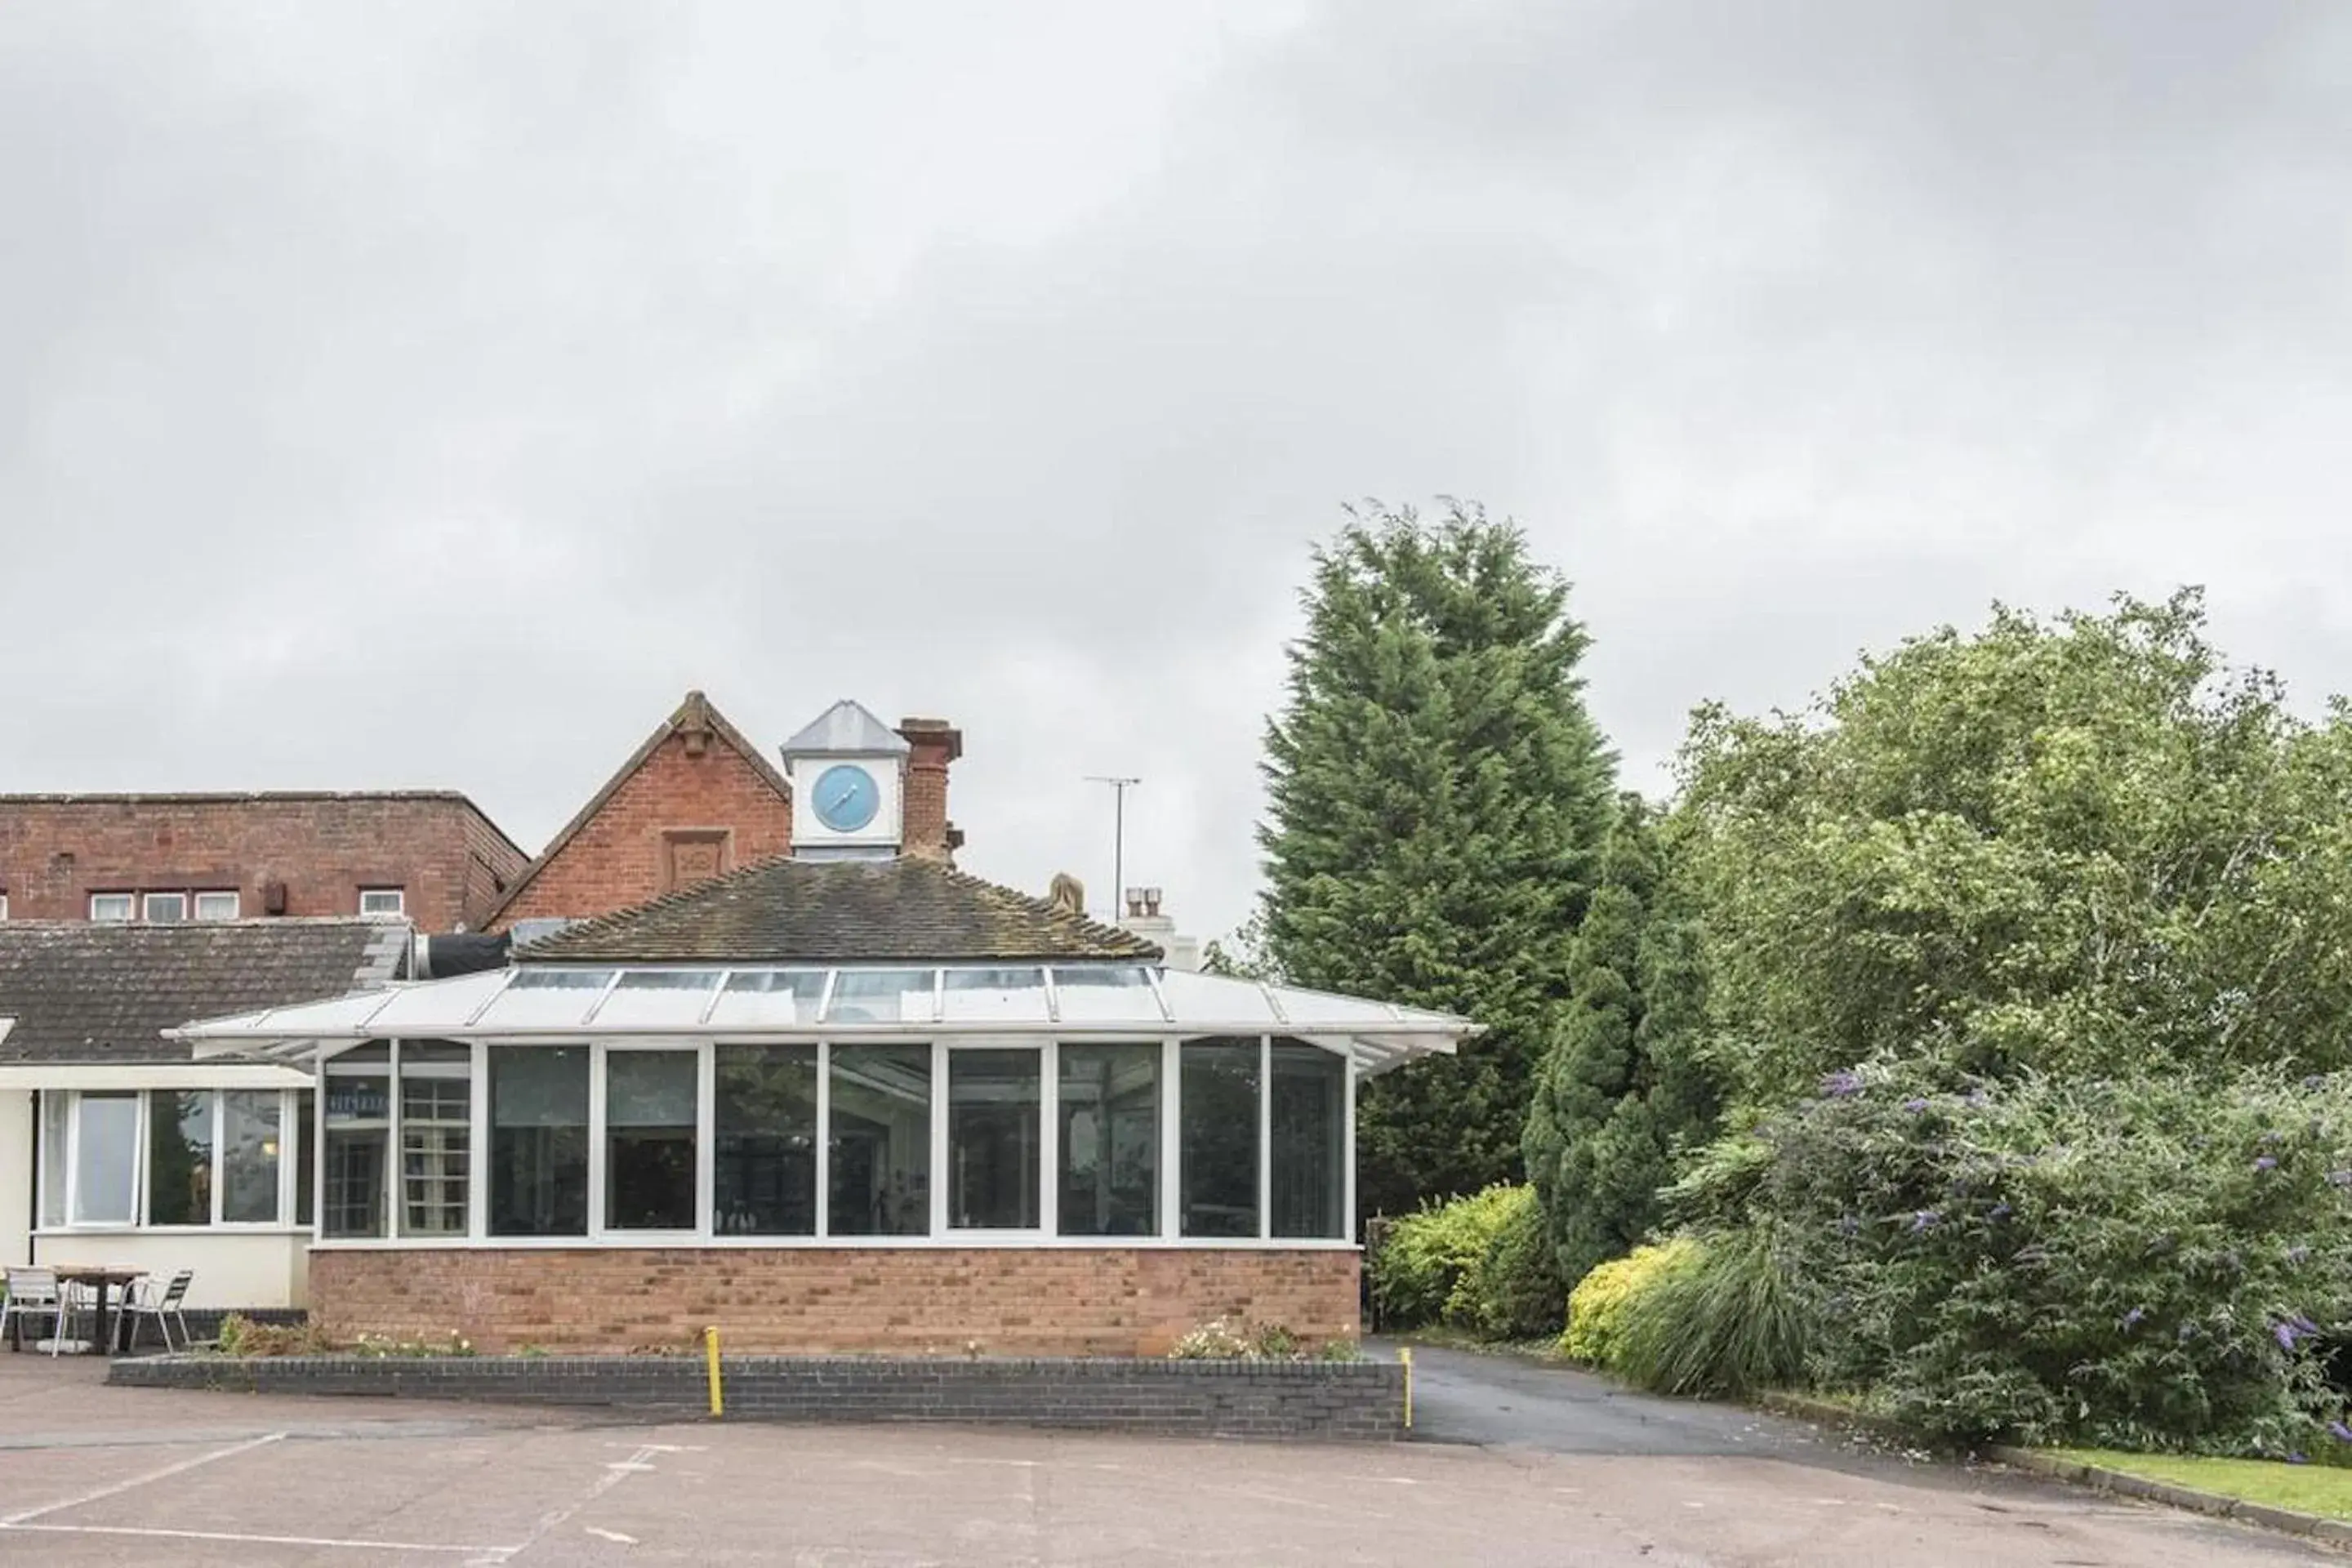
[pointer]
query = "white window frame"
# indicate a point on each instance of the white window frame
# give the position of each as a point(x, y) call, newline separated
point(143, 1102)
point(4, 904)
point(600, 1226)
point(129, 902)
point(147, 907)
point(399, 910)
point(196, 904)
point(943, 1054)
point(940, 1235)
point(396, 1116)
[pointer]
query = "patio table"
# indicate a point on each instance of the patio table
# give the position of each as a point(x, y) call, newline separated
point(105, 1277)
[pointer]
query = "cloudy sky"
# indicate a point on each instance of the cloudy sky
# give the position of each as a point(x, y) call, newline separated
point(429, 394)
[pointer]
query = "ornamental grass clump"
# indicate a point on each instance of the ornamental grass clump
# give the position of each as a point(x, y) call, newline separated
point(1724, 1317)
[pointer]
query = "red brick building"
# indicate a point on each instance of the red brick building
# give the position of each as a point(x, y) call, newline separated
point(698, 800)
point(429, 855)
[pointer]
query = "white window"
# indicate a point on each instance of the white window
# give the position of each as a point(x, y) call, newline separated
point(216, 906)
point(106, 1160)
point(165, 1157)
point(110, 906)
point(166, 907)
point(383, 901)
point(4, 906)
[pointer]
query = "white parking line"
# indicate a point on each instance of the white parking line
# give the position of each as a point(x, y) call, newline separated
point(616, 1472)
point(14, 1520)
point(492, 1553)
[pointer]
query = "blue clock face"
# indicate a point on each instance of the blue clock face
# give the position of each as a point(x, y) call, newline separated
point(845, 798)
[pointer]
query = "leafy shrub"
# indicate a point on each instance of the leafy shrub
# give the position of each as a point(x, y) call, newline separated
point(1512, 1290)
point(241, 1336)
point(1421, 1274)
point(2149, 1264)
point(1596, 1308)
point(1724, 1316)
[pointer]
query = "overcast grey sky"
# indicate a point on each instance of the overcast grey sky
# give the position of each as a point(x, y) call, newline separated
point(430, 394)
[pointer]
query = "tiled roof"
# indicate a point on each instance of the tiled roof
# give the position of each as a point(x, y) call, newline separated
point(101, 992)
point(840, 912)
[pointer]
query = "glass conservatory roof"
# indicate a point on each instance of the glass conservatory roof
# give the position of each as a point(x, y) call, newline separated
point(1089, 1000)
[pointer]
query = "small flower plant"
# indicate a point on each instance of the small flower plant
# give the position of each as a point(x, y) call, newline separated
point(390, 1347)
point(1220, 1338)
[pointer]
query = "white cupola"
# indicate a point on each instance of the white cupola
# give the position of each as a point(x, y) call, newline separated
point(848, 773)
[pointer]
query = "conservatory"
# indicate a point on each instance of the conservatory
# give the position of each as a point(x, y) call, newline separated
point(1040, 1154)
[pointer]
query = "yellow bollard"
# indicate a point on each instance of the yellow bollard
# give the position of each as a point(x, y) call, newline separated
point(1404, 1355)
point(710, 1352)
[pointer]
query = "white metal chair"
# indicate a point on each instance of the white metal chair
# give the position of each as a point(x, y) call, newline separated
point(162, 1305)
point(36, 1293)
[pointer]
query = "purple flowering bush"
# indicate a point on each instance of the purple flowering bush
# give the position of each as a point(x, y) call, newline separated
point(2158, 1263)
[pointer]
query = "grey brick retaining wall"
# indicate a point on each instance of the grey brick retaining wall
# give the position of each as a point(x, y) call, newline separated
point(1354, 1400)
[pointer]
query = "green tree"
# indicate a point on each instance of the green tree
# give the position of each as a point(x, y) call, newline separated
point(2080, 845)
point(1438, 796)
point(1624, 1085)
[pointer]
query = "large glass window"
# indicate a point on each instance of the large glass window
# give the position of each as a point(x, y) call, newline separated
point(359, 1130)
point(880, 1142)
point(649, 1116)
point(56, 1117)
point(1218, 1165)
point(306, 1177)
point(249, 1156)
point(993, 1139)
point(436, 1131)
point(106, 1159)
point(1310, 1185)
point(180, 1157)
point(1109, 1101)
point(764, 1125)
point(539, 1140)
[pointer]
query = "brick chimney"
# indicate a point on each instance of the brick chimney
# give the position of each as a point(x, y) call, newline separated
point(927, 832)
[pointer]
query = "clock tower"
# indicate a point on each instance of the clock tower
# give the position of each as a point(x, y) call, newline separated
point(848, 773)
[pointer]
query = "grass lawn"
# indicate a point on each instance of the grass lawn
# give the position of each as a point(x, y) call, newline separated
point(2324, 1490)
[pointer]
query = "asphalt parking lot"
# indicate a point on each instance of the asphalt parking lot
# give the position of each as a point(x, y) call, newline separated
point(96, 1475)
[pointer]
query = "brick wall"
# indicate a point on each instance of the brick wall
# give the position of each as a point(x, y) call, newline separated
point(450, 862)
point(924, 829)
point(1360, 1400)
point(915, 1301)
point(695, 806)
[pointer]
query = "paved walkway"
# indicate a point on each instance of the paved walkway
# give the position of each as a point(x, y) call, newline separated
point(91, 1475)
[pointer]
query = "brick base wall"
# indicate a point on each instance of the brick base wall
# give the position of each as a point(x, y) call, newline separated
point(1360, 1400)
point(1005, 1301)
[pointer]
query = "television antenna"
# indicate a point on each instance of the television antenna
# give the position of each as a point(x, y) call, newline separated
point(1119, 787)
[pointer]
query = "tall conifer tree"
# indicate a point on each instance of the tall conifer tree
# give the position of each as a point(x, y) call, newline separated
point(1623, 1085)
point(1438, 797)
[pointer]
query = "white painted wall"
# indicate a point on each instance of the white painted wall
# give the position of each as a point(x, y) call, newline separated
point(15, 1176)
point(234, 1268)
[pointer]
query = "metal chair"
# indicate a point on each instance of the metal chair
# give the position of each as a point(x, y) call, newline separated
point(36, 1293)
point(162, 1305)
